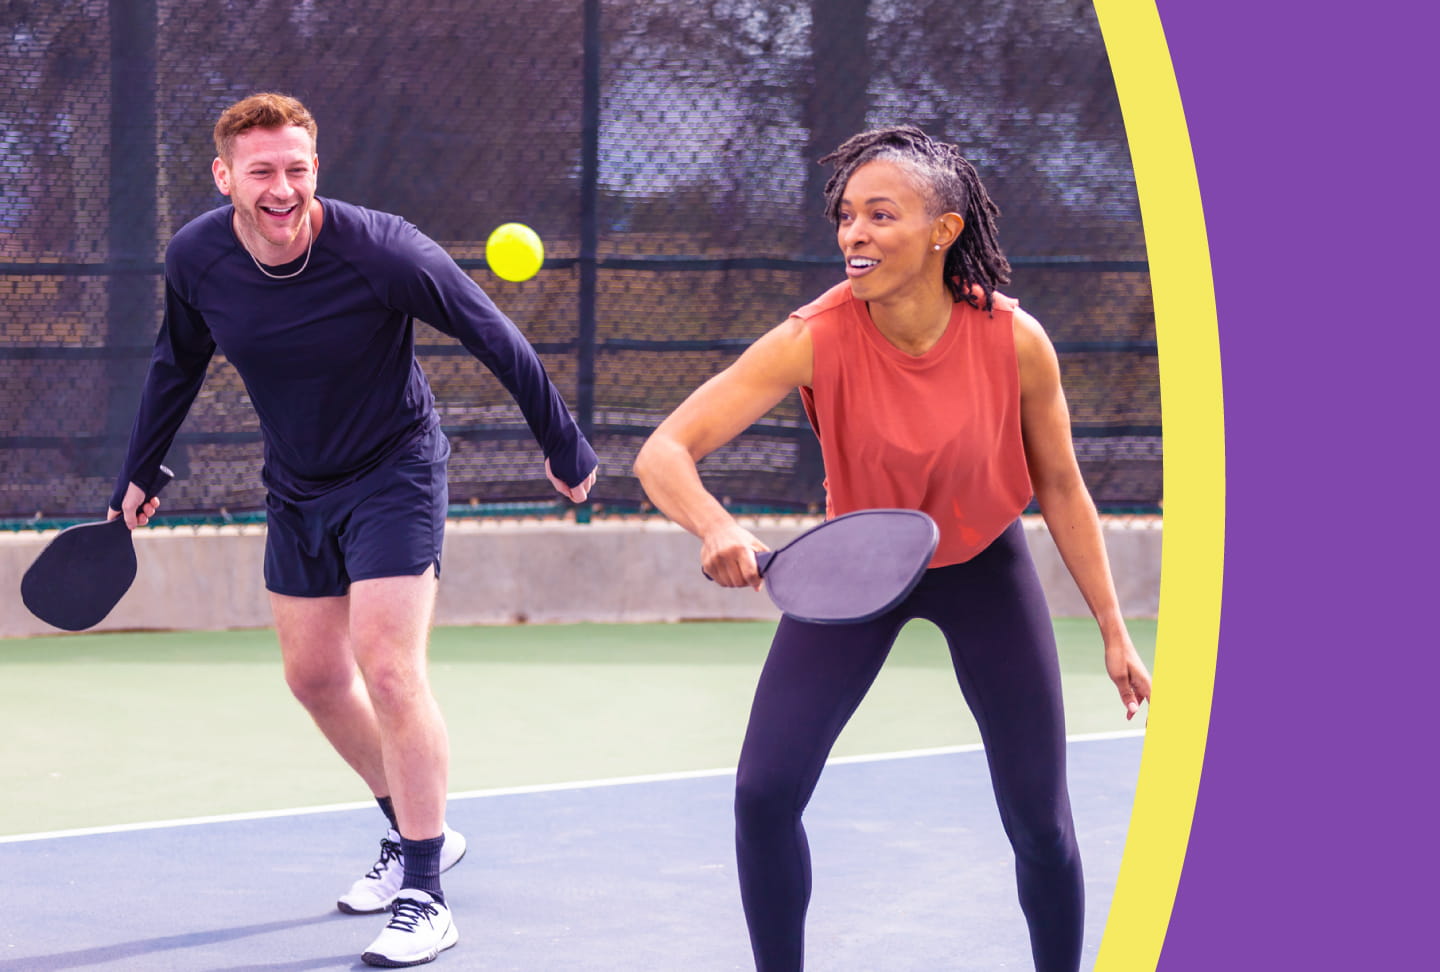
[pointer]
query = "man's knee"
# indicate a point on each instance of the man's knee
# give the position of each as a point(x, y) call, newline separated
point(319, 685)
point(395, 680)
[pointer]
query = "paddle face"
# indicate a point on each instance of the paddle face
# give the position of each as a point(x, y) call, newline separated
point(852, 568)
point(82, 574)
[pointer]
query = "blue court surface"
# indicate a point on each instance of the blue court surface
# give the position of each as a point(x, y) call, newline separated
point(912, 873)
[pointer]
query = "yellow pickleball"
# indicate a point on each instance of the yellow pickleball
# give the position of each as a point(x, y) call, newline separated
point(514, 252)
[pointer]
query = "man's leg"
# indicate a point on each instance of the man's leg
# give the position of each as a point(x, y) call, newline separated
point(320, 669)
point(390, 629)
point(389, 625)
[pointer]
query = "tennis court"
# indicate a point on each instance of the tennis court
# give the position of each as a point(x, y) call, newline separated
point(592, 776)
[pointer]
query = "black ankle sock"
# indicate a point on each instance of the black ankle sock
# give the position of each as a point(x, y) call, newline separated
point(389, 809)
point(422, 865)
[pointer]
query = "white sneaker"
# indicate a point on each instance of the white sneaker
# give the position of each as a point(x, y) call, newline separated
point(420, 929)
point(374, 892)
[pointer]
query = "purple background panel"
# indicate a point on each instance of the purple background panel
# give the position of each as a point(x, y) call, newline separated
point(1314, 835)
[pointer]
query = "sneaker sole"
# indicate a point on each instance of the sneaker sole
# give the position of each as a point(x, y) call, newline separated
point(352, 910)
point(448, 940)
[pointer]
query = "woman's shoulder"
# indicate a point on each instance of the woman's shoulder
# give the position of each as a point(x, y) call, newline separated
point(1002, 304)
point(1033, 348)
point(828, 320)
point(836, 298)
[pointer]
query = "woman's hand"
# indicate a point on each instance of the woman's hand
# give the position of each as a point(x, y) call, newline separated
point(1128, 672)
point(727, 555)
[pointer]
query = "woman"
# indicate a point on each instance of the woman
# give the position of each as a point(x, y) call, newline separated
point(929, 390)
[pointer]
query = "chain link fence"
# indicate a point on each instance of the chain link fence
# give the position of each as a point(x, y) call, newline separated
point(664, 150)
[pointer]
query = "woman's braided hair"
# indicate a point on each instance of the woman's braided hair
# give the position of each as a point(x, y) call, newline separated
point(949, 184)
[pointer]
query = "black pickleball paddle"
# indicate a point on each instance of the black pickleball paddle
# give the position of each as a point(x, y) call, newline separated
point(81, 575)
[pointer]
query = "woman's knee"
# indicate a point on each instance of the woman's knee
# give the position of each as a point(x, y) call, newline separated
point(764, 800)
point(1045, 839)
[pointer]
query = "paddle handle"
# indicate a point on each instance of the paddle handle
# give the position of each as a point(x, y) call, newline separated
point(762, 561)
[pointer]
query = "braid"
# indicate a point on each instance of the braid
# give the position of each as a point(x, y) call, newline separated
point(949, 183)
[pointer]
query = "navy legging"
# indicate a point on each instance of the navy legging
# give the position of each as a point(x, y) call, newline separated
point(992, 612)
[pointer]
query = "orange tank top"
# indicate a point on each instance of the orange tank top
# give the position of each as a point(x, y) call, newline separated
point(938, 432)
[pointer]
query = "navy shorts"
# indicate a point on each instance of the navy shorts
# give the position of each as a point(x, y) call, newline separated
point(388, 523)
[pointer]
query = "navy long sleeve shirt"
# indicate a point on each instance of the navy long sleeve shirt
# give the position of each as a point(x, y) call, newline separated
point(328, 356)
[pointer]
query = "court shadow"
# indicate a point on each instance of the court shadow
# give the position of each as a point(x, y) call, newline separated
point(347, 961)
point(137, 950)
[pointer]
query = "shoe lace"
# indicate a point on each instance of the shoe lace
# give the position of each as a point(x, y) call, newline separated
point(407, 913)
point(389, 854)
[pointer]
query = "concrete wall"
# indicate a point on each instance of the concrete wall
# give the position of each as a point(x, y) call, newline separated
point(503, 572)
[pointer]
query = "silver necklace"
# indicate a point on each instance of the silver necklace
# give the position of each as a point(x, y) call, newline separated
point(287, 276)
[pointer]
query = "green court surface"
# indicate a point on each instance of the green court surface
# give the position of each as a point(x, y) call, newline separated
point(109, 729)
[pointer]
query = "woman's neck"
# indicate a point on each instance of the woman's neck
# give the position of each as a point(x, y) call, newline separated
point(913, 323)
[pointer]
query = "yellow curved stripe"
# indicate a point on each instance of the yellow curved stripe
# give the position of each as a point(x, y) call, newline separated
point(1193, 556)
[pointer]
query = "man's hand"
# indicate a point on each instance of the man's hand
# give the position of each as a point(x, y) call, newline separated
point(136, 511)
point(575, 494)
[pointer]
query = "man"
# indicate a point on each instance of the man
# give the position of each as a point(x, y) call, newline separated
point(313, 301)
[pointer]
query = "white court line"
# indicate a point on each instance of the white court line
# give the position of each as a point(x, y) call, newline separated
point(519, 790)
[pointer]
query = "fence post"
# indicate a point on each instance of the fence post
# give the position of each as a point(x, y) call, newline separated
point(132, 231)
point(589, 230)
